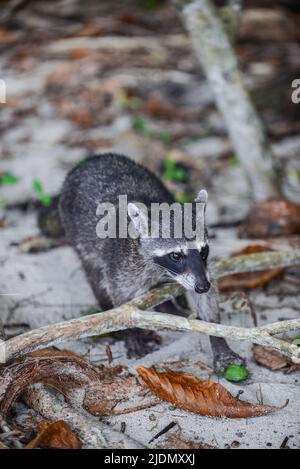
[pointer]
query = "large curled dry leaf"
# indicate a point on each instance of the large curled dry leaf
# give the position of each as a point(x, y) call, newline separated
point(249, 280)
point(62, 370)
point(103, 388)
point(199, 396)
point(55, 435)
point(272, 218)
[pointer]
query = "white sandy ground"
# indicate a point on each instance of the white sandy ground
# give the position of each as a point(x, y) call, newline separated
point(50, 287)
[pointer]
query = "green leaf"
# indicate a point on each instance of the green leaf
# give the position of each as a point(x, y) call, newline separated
point(296, 340)
point(164, 136)
point(234, 161)
point(46, 200)
point(151, 5)
point(139, 123)
point(173, 172)
point(236, 373)
point(180, 174)
point(37, 186)
point(183, 198)
point(168, 176)
point(169, 164)
point(8, 179)
point(170, 168)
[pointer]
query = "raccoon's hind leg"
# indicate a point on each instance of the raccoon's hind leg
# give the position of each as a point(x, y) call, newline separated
point(96, 281)
point(49, 220)
point(207, 306)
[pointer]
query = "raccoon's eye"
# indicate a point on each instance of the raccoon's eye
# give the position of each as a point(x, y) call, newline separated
point(204, 252)
point(175, 256)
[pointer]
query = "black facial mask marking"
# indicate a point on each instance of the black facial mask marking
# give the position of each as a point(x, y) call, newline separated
point(193, 262)
point(173, 265)
point(204, 253)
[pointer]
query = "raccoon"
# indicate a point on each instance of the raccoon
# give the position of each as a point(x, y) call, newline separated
point(120, 268)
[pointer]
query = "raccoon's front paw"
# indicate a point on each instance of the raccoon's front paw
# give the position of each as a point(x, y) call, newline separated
point(139, 342)
point(223, 355)
point(222, 360)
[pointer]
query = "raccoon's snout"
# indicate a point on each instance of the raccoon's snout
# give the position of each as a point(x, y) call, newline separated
point(202, 287)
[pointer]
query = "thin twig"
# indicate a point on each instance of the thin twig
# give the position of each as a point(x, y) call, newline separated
point(163, 431)
point(136, 408)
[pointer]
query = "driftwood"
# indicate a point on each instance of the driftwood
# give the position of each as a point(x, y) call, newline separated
point(231, 15)
point(133, 314)
point(217, 57)
point(92, 432)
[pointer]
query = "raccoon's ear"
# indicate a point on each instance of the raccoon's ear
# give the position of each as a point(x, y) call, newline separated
point(139, 217)
point(202, 197)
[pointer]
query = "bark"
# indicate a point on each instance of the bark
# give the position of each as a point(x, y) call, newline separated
point(217, 57)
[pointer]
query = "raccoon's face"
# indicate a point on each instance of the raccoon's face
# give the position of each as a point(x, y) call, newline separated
point(187, 267)
point(180, 258)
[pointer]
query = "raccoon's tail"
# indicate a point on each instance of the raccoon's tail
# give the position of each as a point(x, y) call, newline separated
point(49, 220)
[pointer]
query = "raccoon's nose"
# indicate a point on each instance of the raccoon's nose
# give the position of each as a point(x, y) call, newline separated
point(202, 287)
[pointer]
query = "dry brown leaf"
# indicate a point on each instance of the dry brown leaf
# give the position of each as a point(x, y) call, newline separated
point(269, 357)
point(6, 36)
point(273, 359)
point(78, 53)
point(202, 397)
point(117, 385)
point(294, 367)
point(55, 435)
point(82, 117)
point(4, 223)
point(62, 74)
point(276, 217)
point(249, 280)
point(158, 107)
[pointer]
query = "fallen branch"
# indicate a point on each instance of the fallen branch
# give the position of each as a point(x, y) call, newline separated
point(92, 433)
point(231, 15)
point(133, 314)
point(256, 261)
point(217, 57)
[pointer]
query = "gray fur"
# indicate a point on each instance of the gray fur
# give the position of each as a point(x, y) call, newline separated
point(117, 268)
point(120, 269)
